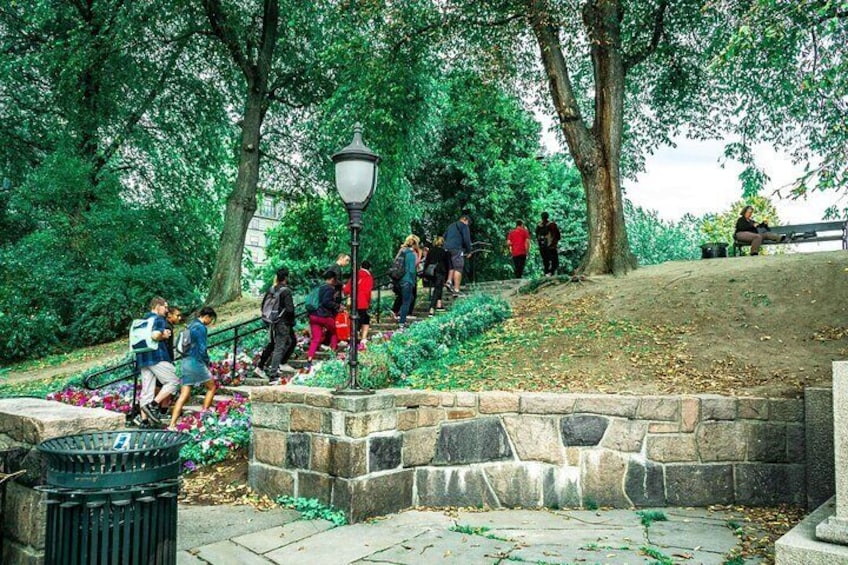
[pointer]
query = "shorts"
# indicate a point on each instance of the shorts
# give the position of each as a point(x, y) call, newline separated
point(457, 259)
point(364, 318)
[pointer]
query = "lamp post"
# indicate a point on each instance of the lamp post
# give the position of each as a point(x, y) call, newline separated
point(356, 178)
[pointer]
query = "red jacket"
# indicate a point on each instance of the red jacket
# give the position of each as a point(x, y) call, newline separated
point(365, 284)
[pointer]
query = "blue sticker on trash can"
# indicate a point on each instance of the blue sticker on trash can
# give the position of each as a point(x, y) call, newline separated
point(122, 442)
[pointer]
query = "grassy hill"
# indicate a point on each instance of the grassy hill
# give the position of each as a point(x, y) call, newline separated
point(765, 325)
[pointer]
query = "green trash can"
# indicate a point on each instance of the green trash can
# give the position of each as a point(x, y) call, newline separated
point(112, 497)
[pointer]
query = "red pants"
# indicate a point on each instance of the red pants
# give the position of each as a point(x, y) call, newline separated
point(318, 326)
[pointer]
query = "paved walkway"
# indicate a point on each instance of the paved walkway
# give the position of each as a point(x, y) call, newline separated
point(240, 535)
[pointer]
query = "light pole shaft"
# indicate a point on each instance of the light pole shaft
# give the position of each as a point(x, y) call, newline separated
point(353, 355)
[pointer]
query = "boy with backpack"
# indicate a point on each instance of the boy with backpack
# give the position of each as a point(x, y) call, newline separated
point(547, 237)
point(278, 313)
point(153, 360)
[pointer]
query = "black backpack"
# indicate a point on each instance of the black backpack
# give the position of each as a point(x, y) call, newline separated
point(271, 305)
point(398, 268)
point(543, 236)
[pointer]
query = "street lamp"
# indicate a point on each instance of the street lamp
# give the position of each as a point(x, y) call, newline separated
point(356, 178)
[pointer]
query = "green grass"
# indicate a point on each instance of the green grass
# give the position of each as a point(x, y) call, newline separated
point(475, 531)
point(648, 517)
point(654, 553)
point(312, 509)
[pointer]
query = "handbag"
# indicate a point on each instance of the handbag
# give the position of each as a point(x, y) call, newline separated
point(343, 326)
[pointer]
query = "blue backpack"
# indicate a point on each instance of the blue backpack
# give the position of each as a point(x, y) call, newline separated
point(313, 300)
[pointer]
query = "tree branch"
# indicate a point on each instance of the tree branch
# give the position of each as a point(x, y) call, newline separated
point(221, 29)
point(636, 58)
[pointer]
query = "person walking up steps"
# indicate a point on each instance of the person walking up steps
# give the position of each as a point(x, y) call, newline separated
point(364, 286)
point(437, 263)
point(195, 365)
point(519, 246)
point(322, 322)
point(156, 365)
point(457, 244)
point(409, 252)
point(547, 237)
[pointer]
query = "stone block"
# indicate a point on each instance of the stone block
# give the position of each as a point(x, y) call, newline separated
point(625, 435)
point(498, 402)
point(819, 445)
point(672, 447)
point(419, 446)
point(660, 408)
point(364, 424)
point(273, 416)
point(536, 438)
point(453, 486)
point(721, 441)
point(546, 403)
point(315, 485)
point(321, 456)
point(766, 442)
point(447, 399)
point(715, 407)
point(840, 437)
point(384, 453)
point(269, 446)
point(690, 413)
point(416, 398)
point(476, 441)
point(767, 484)
point(602, 475)
point(572, 456)
point(381, 400)
point(663, 428)
point(560, 486)
point(349, 458)
point(367, 497)
point(466, 399)
point(407, 419)
point(270, 481)
point(803, 546)
point(319, 400)
point(25, 515)
point(796, 448)
point(17, 554)
point(460, 414)
point(298, 451)
point(277, 395)
point(430, 416)
point(582, 430)
point(33, 420)
point(607, 405)
point(644, 483)
point(699, 485)
point(753, 408)
point(307, 419)
point(786, 409)
point(516, 485)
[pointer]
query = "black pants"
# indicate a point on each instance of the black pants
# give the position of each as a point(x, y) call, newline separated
point(550, 260)
point(437, 288)
point(286, 347)
point(518, 262)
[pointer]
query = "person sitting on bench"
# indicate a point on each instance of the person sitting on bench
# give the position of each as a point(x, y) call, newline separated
point(749, 231)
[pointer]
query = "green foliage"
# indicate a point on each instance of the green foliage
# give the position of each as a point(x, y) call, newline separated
point(648, 517)
point(720, 227)
point(654, 553)
point(654, 240)
point(394, 362)
point(312, 509)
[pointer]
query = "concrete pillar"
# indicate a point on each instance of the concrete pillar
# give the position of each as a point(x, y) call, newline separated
point(835, 528)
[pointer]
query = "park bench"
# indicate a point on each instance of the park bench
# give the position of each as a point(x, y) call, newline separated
point(804, 233)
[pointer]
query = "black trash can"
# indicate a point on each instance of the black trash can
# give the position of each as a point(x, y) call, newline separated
point(713, 250)
point(112, 497)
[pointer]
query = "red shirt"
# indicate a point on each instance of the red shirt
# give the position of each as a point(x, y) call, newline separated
point(365, 284)
point(519, 241)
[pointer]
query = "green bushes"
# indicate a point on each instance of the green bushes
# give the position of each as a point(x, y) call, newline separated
point(389, 363)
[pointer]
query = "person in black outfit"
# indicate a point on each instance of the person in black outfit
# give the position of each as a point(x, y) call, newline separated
point(439, 261)
point(282, 339)
point(749, 231)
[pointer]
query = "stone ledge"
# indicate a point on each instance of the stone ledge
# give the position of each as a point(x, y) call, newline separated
point(800, 544)
point(33, 420)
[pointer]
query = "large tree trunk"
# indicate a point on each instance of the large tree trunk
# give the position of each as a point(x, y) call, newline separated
point(596, 151)
point(241, 205)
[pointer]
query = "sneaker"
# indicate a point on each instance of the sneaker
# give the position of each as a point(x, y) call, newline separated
point(323, 347)
point(152, 412)
point(260, 373)
point(287, 368)
point(137, 421)
point(145, 425)
point(449, 284)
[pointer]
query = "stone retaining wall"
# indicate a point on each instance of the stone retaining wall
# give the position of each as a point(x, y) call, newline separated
point(373, 455)
point(24, 423)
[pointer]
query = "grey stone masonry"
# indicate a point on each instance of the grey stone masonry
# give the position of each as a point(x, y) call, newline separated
point(24, 423)
point(505, 449)
point(835, 528)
